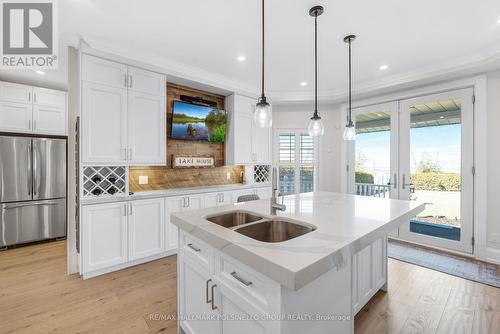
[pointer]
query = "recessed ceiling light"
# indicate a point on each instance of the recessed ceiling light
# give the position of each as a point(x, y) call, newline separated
point(442, 117)
point(383, 67)
point(241, 58)
point(40, 72)
point(498, 21)
point(303, 83)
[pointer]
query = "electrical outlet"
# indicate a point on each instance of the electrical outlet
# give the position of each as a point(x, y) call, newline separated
point(228, 175)
point(143, 179)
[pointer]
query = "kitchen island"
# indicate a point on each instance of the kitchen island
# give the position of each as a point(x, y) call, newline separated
point(334, 261)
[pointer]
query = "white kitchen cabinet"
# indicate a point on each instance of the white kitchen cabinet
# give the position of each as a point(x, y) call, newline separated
point(26, 109)
point(104, 124)
point(146, 223)
point(104, 72)
point(231, 307)
point(217, 199)
point(123, 114)
point(147, 82)
point(49, 98)
point(195, 302)
point(49, 120)
point(13, 92)
point(104, 236)
point(179, 204)
point(146, 129)
point(245, 143)
point(369, 272)
point(16, 117)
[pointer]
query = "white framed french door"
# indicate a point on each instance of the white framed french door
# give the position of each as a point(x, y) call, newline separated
point(420, 149)
point(436, 166)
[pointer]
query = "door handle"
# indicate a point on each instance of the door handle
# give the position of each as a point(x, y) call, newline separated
point(206, 291)
point(125, 81)
point(35, 185)
point(212, 301)
point(130, 77)
point(395, 182)
point(30, 172)
point(404, 184)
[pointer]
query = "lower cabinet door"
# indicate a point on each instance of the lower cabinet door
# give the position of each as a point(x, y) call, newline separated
point(104, 235)
point(211, 199)
point(195, 293)
point(238, 316)
point(146, 225)
point(173, 205)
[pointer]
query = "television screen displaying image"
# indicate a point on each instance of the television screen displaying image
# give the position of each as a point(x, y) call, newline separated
point(196, 122)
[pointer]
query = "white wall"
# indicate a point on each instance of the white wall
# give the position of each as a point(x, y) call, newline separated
point(297, 117)
point(493, 165)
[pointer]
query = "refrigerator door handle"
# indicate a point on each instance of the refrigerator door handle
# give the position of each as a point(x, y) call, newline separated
point(30, 171)
point(22, 205)
point(35, 185)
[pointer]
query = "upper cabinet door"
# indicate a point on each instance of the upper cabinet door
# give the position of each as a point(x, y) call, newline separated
point(49, 120)
point(243, 124)
point(49, 97)
point(146, 129)
point(104, 72)
point(104, 124)
point(148, 82)
point(15, 117)
point(261, 145)
point(15, 92)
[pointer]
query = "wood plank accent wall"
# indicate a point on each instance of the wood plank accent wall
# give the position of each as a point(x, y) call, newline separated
point(164, 177)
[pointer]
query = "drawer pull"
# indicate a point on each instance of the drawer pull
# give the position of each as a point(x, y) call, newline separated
point(241, 280)
point(194, 248)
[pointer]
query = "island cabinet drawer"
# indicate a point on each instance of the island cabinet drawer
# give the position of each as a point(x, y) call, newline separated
point(249, 284)
point(198, 250)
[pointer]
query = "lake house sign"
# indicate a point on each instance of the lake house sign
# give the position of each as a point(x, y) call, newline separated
point(190, 162)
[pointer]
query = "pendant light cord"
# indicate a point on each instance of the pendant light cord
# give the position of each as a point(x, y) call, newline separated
point(316, 65)
point(350, 85)
point(262, 94)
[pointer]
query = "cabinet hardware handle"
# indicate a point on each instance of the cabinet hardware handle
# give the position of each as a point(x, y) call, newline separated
point(213, 303)
point(125, 209)
point(222, 197)
point(241, 280)
point(125, 81)
point(34, 124)
point(29, 124)
point(130, 81)
point(208, 299)
point(130, 209)
point(189, 202)
point(194, 248)
point(29, 96)
point(34, 97)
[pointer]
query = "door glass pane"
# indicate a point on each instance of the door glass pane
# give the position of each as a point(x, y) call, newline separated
point(306, 161)
point(435, 165)
point(287, 179)
point(373, 153)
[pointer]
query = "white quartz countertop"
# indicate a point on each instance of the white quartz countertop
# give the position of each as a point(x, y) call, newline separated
point(345, 224)
point(171, 192)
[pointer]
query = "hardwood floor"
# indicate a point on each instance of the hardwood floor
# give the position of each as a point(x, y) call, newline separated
point(36, 296)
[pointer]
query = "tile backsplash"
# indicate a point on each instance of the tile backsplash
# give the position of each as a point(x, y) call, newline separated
point(168, 178)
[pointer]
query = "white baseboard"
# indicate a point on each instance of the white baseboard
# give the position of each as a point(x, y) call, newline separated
point(493, 255)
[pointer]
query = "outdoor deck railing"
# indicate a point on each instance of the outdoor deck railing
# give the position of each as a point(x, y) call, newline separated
point(368, 189)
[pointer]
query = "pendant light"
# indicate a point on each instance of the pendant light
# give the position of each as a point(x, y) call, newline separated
point(263, 115)
point(350, 131)
point(316, 127)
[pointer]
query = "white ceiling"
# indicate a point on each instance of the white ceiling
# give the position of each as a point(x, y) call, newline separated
point(205, 37)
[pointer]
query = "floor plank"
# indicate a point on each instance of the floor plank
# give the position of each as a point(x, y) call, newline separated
point(38, 297)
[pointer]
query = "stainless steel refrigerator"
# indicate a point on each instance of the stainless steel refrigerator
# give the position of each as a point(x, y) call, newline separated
point(32, 189)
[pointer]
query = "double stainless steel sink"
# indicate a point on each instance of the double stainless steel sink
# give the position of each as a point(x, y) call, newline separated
point(261, 228)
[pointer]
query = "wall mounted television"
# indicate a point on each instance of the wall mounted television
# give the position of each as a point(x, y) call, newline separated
point(195, 122)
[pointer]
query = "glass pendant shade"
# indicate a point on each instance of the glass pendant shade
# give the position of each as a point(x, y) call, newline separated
point(315, 127)
point(263, 115)
point(349, 132)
